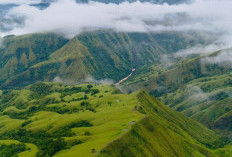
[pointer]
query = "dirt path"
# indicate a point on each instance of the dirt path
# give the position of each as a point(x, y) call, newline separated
point(121, 81)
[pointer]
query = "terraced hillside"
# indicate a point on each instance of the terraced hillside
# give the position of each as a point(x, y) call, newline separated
point(48, 119)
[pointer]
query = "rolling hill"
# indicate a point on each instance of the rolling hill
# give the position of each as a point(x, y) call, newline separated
point(49, 119)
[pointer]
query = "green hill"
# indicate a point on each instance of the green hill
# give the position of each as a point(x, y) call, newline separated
point(206, 99)
point(98, 120)
point(98, 54)
point(200, 90)
point(178, 75)
point(19, 53)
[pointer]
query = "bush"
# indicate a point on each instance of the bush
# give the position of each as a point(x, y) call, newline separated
point(87, 133)
point(94, 91)
point(76, 142)
point(47, 143)
point(40, 89)
point(26, 123)
point(86, 104)
point(89, 86)
point(11, 150)
point(70, 91)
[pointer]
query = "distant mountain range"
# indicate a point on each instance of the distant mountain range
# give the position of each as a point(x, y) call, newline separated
point(39, 57)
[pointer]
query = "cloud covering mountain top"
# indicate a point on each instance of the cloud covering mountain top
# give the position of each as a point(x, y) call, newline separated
point(70, 18)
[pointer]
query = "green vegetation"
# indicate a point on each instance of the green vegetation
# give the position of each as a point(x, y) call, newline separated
point(15, 148)
point(53, 119)
point(47, 143)
point(38, 57)
point(163, 133)
point(11, 150)
point(135, 124)
point(200, 90)
point(19, 53)
point(84, 124)
point(207, 100)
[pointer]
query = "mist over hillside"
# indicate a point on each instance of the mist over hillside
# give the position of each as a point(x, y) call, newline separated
point(135, 16)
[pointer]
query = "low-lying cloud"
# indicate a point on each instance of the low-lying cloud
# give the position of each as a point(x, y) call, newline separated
point(222, 58)
point(88, 79)
point(196, 94)
point(199, 49)
point(91, 79)
point(19, 1)
point(69, 18)
point(166, 61)
point(1, 40)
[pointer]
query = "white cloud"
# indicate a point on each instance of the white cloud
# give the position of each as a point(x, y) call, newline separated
point(198, 49)
point(19, 1)
point(166, 61)
point(196, 94)
point(88, 79)
point(222, 58)
point(1, 40)
point(70, 18)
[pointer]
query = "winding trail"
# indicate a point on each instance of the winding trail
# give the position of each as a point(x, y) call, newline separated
point(121, 81)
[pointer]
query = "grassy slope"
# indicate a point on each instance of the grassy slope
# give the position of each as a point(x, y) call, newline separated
point(179, 75)
point(206, 100)
point(112, 118)
point(201, 91)
point(102, 55)
point(161, 131)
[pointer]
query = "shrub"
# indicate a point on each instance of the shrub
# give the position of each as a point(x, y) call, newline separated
point(12, 149)
point(76, 142)
point(89, 86)
point(40, 89)
point(26, 123)
point(94, 91)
